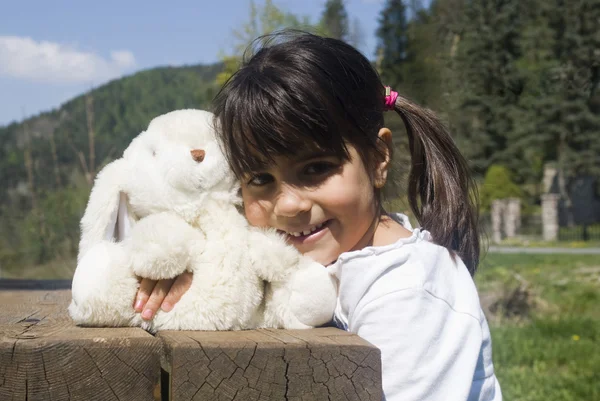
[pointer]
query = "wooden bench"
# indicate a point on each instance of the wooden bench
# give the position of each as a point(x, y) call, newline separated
point(43, 356)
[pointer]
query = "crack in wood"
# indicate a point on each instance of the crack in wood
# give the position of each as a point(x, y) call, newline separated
point(12, 355)
point(113, 352)
point(28, 316)
point(287, 378)
point(45, 370)
point(101, 374)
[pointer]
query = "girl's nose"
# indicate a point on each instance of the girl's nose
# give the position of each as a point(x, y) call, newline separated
point(291, 202)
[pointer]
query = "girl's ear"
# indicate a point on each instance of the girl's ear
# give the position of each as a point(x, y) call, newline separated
point(383, 157)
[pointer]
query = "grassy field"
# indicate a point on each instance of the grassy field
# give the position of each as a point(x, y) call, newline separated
point(544, 313)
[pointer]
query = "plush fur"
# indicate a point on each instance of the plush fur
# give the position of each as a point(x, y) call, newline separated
point(158, 212)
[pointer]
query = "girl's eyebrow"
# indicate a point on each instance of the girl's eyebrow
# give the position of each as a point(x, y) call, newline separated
point(262, 164)
point(312, 154)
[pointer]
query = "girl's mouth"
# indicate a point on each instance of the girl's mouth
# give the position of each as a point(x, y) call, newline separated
point(310, 234)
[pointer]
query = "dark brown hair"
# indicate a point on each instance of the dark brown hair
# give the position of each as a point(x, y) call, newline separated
point(301, 90)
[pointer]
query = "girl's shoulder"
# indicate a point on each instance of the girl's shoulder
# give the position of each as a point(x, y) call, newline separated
point(414, 264)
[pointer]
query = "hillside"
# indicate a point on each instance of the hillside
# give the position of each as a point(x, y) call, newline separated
point(56, 145)
point(122, 108)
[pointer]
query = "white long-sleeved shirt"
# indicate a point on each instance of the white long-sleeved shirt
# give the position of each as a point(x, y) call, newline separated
point(420, 307)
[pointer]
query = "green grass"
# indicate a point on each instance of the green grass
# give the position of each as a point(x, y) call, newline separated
point(552, 352)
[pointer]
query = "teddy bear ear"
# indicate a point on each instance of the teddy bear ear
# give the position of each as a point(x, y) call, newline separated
point(124, 219)
point(106, 216)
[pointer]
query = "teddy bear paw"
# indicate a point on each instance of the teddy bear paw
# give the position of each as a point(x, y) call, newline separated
point(314, 295)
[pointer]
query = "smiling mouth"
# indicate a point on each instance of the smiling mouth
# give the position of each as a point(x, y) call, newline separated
point(305, 233)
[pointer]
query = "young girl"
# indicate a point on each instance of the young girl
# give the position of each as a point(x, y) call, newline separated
point(302, 126)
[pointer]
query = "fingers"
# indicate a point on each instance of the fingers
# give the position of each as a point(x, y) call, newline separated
point(159, 293)
point(180, 286)
point(143, 294)
point(163, 294)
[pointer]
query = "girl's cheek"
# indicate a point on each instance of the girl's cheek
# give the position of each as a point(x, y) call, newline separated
point(256, 213)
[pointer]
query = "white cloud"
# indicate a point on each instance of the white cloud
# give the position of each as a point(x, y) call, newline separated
point(25, 58)
point(123, 58)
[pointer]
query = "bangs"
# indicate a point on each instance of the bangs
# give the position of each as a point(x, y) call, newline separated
point(304, 95)
point(263, 118)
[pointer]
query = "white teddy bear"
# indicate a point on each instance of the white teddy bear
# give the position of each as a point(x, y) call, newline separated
point(170, 205)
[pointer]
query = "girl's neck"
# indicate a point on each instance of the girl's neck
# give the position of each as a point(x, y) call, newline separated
point(389, 231)
point(383, 231)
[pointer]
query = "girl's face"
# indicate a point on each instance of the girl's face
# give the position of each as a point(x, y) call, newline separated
point(323, 205)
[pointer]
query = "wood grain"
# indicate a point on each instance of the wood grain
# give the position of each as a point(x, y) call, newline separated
point(268, 364)
point(44, 356)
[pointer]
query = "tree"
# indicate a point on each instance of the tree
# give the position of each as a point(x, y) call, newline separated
point(425, 60)
point(562, 64)
point(356, 34)
point(262, 21)
point(392, 46)
point(334, 21)
point(498, 184)
point(489, 82)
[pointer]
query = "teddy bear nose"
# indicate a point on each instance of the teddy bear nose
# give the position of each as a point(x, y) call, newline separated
point(198, 154)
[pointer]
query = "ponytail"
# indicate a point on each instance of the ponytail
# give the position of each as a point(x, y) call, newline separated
point(441, 191)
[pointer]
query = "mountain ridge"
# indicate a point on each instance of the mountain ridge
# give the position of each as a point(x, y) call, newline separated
point(122, 108)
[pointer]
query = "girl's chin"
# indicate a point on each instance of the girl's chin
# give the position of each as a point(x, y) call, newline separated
point(320, 257)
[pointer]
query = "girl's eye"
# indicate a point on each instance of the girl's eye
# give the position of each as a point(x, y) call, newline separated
point(259, 180)
point(318, 168)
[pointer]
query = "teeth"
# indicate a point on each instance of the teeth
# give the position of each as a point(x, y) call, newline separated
point(306, 232)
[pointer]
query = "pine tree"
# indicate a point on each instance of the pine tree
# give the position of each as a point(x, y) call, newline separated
point(561, 120)
point(392, 47)
point(535, 65)
point(577, 50)
point(425, 58)
point(491, 83)
point(334, 21)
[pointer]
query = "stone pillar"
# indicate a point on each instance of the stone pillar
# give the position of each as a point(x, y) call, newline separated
point(512, 217)
point(550, 174)
point(497, 212)
point(550, 216)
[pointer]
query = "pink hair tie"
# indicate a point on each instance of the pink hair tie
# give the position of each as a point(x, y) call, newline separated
point(390, 98)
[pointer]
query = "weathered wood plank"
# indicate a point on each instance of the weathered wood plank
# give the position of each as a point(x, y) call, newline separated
point(295, 365)
point(43, 356)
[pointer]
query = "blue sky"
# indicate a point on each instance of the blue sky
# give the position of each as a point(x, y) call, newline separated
point(51, 51)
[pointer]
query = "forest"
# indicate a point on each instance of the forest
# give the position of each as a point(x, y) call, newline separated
point(516, 81)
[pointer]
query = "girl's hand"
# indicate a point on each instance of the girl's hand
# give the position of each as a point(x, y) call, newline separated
point(163, 294)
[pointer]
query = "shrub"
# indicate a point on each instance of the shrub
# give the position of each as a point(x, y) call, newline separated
point(498, 184)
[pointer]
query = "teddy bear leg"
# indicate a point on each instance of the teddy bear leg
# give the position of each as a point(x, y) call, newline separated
point(307, 299)
point(103, 287)
point(161, 246)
